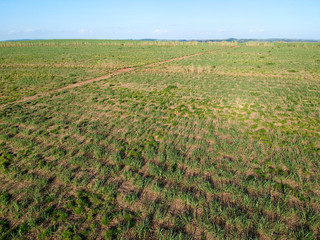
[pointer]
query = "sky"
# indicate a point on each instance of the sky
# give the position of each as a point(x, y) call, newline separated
point(162, 19)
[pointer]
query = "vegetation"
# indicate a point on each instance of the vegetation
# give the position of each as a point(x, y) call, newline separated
point(222, 145)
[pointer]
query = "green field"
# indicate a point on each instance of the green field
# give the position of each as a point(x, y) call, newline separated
point(222, 145)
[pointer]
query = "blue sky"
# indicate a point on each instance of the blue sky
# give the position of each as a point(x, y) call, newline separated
point(162, 19)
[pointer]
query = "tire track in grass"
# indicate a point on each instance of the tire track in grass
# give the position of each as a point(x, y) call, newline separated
point(115, 73)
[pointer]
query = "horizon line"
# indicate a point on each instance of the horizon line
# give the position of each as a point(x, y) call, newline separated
point(168, 39)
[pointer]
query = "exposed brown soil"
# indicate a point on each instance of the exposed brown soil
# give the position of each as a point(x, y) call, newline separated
point(115, 73)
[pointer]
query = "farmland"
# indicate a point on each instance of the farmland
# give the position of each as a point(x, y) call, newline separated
point(221, 144)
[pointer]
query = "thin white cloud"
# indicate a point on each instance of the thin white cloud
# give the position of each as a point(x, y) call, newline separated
point(222, 30)
point(13, 31)
point(82, 31)
point(160, 31)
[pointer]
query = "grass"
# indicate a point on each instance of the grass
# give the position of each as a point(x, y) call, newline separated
point(32, 67)
point(209, 147)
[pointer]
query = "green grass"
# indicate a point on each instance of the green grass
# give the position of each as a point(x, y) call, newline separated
point(209, 147)
point(28, 68)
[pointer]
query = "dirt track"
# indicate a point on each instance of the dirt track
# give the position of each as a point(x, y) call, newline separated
point(115, 73)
